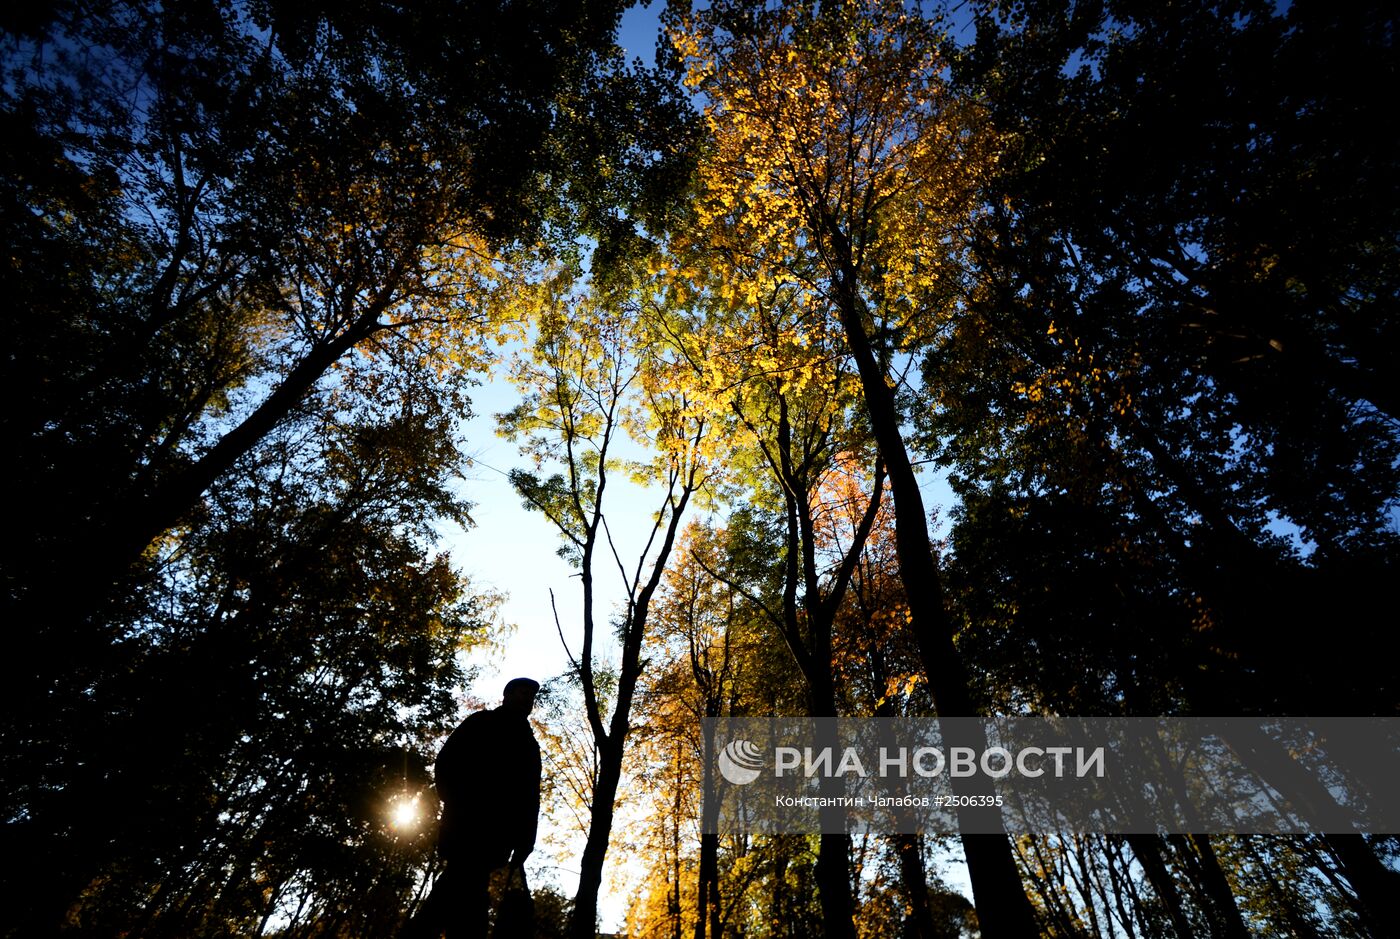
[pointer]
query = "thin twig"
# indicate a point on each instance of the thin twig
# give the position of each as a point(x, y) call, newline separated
point(562, 641)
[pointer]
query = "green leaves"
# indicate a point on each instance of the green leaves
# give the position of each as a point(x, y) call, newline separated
point(556, 501)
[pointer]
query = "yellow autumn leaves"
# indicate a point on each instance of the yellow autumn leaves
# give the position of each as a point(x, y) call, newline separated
point(836, 160)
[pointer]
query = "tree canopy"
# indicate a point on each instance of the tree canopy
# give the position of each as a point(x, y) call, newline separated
point(1123, 275)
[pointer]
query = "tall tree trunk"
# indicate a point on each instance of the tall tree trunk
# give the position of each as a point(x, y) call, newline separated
point(1148, 850)
point(1117, 881)
point(1050, 884)
point(778, 900)
point(612, 741)
point(583, 922)
point(162, 508)
point(707, 889)
point(1377, 886)
point(1285, 899)
point(1204, 865)
point(834, 851)
point(913, 875)
point(707, 886)
point(834, 886)
point(675, 903)
point(812, 648)
point(1002, 907)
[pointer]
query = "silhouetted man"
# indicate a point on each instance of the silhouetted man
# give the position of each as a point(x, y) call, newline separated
point(488, 778)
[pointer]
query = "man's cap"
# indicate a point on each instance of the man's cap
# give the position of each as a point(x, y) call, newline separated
point(522, 684)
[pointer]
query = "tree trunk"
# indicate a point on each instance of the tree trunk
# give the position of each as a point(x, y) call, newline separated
point(1377, 886)
point(1147, 849)
point(133, 531)
point(914, 876)
point(834, 886)
point(707, 904)
point(583, 923)
point(1224, 915)
point(1002, 907)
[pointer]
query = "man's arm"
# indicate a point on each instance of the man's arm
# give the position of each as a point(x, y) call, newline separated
point(531, 778)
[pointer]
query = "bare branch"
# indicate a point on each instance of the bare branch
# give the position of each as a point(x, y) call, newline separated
point(559, 627)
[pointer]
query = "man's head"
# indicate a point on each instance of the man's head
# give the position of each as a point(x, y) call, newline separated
point(519, 696)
